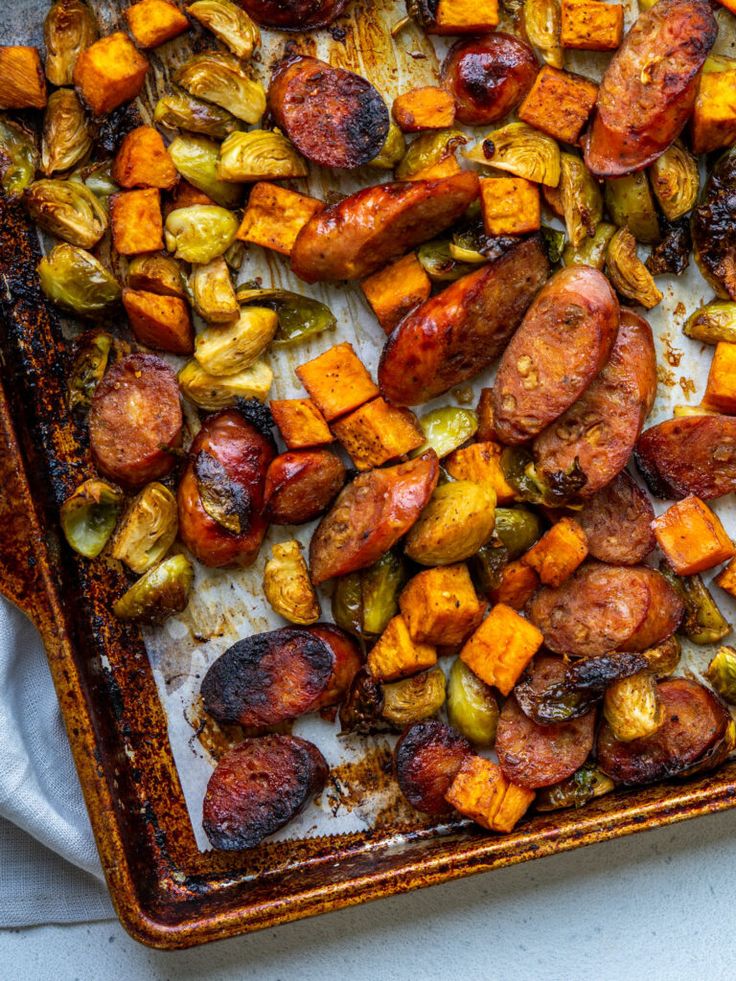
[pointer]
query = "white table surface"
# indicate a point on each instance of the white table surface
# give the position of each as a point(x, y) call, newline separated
point(658, 905)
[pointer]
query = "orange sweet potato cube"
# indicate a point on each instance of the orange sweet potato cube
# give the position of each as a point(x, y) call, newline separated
point(510, 205)
point(466, 17)
point(337, 380)
point(516, 802)
point(720, 391)
point(558, 552)
point(590, 25)
point(726, 578)
point(185, 195)
point(714, 113)
point(395, 290)
point(478, 790)
point(275, 215)
point(501, 647)
point(378, 432)
point(481, 463)
point(559, 103)
point(152, 22)
point(160, 322)
point(24, 83)
point(396, 654)
point(692, 537)
point(144, 161)
point(109, 73)
point(429, 107)
point(440, 606)
point(136, 221)
point(518, 584)
point(300, 423)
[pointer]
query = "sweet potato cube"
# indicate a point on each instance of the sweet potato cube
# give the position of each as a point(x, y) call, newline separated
point(518, 584)
point(714, 113)
point(144, 161)
point(726, 578)
point(516, 802)
point(510, 205)
point(396, 654)
point(558, 552)
point(135, 218)
point(109, 73)
point(185, 195)
point(337, 380)
point(152, 22)
point(275, 216)
point(692, 537)
point(559, 103)
point(378, 432)
point(160, 322)
point(590, 25)
point(395, 290)
point(440, 606)
point(501, 647)
point(428, 107)
point(300, 423)
point(720, 391)
point(23, 81)
point(478, 790)
point(481, 463)
point(465, 16)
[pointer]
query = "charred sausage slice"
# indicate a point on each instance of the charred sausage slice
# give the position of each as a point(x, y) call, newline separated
point(426, 759)
point(258, 787)
point(345, 665)
point(692, 455)
point(294, 15)
point(618, 522)
point(301, 485)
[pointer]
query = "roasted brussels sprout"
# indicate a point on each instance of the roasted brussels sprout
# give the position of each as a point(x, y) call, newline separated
point(592, 250)
point(147, 529)
point(554, 243)
point(427, 150)
point(287, 585)
point(229, 23)
point(721, 673)
point(522, 151)
point(714, 227)
point(159, 593)
point(88, 517)
point(703, 623)
point(98, 178)
point(471, 705)
point(713, 323)
point(582, 202)
point(259, 154)
point(180, 110)
point(158, 274)
point(445, 429)
point(18, 157)
point(213, 293)
point(67, 209)
point(74, 280)
point(200, 233)
point(552, 490)
point(671, 255)
point(196, 158)
point(457, 521)
point(414, 699)
point(229, 350)
point(393, 149)
point(630, 205)
point(70, 27)
point(518, 529)
point(90, 364)
point(675, 181)
point(211, 392)
point(627, 272)
point(542, 25)
point(439, 263)
point(462, 254)
point(585, 784)
point(219, 78)
point(364, 602)
point(224, 499)
point(66, 133)
point(632, 707)
point(361, 711)
point(299, 317)
point(663, 660)
point(487, 565)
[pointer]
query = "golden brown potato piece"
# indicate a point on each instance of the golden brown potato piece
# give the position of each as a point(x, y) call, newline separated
point(301, 485)
point(160, 322)
point(23, 85)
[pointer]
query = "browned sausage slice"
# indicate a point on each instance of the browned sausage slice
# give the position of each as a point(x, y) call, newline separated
point(603, 608)
point(346, 663)
point(692, 455)
point(426, 759)
point(649, 87)
point(458, 333)
point(135, 420)
point(301, 485)
point(563, 342)
point(332, 116)
point(694, 731)
point(618, 523)
point(532, 755)
point(368, 229)
point(294, 15)
point(601, 429)
point(370, 516)
point(258, 787)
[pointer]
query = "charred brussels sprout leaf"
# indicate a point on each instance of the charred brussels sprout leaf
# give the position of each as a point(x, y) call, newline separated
point(583, 786)
point(471, 705)
point(18, 157)
point(74, 280)
point(628, 274)
point(88, 517)
point(522, 151)
point(542, 26)
point(439, 264)
point(554, 243)
point(200, 233)
point(299, 317)
point(703, 622)
point(360, 713)
point(225, 500)
point(213, 392)
point(364, 602)
point(287, 585)
point(67, 136)
point(259, 154)
point(70, 27)
point(675, 181)
point(90, 364)
point(427, 150)
point(229, 23)
point(414, 699)
point(582, 202)
point(67, 209)
point(445, 429)
point(161, 592)
point(721, 673)
point(663, 660)
point(147, 529)
point(458, 519)
point(592, 250)
point(632, 707)
point(180, 110)
point(630, 205)
point(714, 228)
point(671, 256)
point(219, 78)
point(713, 323)
point(518, 529)
point(393, 149)
point(213, 293)
point(196, 158)
point(552, 490)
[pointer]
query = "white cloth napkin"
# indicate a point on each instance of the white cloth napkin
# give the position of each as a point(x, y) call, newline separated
point(49, 868)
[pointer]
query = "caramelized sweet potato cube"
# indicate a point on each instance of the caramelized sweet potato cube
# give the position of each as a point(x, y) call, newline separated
point(160, 322)
point(429, 107)
point(518, 584)
point(501, 648)
point(720, 391)
point(144, 161)
point(135, 218)
point(378, 432)
point(337, 380)
point(109, 73)
point(275, 216)
point(152, 22)
point(559, 103)
point(481, 463)
point(24, 83)
point(510, 205)
point(478, 790)
point(440, 606)
point(726, 578)
point(558, 552)
point(516, 802)
point(714, 113)
point(590, 25)
point(186, 195)
point(300, 423)
point(465, 17)
point(692, 537)
point(396, 654)
point(396, 289)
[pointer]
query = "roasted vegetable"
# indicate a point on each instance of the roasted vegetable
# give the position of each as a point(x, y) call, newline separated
point(472, 708)
point(671, 255)
point(714, 228)
point(675, 181)
point(180, 110)
point(230, 24)
point(455, 523)
point(397, 655)
point(663, 659)
point(582, 201)
point(487, 566)
point(299, 317)
point(439, 263)
point(67, 136)
point(229, 350)
point(630, 205)
point(584, 785)
point(531, 485)
point(592, 250)
point(74, 280)
point(90, 363)
point(160, 593)
point(392, 151)
point(627, 272)
point(721, 673)
point(510, 206)
point(428, 150)
point(426, 107)
point(541, 20)
point(148, 528)
point(632, 707)
point(24, 86)
point(518, 529)
point(259, 154)
point(196, 158)
point(414, 699)
point(200, 233)
point(18, 157)
point(522, 151)
point(559, 552)
point(98, 178)
point(110, 72)
point(156, 274)
point(378, 432)
point(68, 210)
point(69, 28)
point(88, 517)
point(445, 429)
point(703, 623)
point(287, 586)
point(692, 537)
point(713, 323)
point(219, 78)
point(213, 392)
point(501, 647)
point(361, 711)
point(212, 292)
point(364, 602)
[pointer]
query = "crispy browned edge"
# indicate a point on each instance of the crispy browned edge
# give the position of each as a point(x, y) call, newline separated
point(166, 893)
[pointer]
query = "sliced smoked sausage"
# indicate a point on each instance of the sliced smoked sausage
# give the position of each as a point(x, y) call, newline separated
point(294, 15)
point(618, 523)
point(692, 455)
point(301, 485)
point(563, 342)
point(426, 759)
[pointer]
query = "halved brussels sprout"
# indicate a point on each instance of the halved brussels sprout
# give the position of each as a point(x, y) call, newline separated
point(713, 323)
point(218, 77)
point(259, 154)
point(225, 500)
point(487, 565)
point(553, 490)
point(88, 517)
point(591, 251)
point(627, 272)
point(287, 585)
point(721, 673)
point(584, 785)
point(90, 364)
point(229, 23)
point(147, 529)
point(213, 293)
point(582, 202)
point(70, 27)
point(228, 350)
point(98, 178)
point(299, 317)
point(457, 521)
point(196, 158)
point(414, 699)
point(67, 209)
point(462, 254)
point(675, 181)
point(427, 150)
point(158, 274)
point(703, 623)
point(542, 26)
point(360, 711)
point(200, 233)
point(73, 279)
point(445, 429)
point(211, 392)
point(67, 136)
point(18, 157)
point(632, 707)
point(180, 110)
point(630, 205)
point(439, 264)
point(663, 659)
point(471, 705)
point(159, 593)
point(364, 602)
point(393, 149)
point(522, 151)
point(518, 529)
